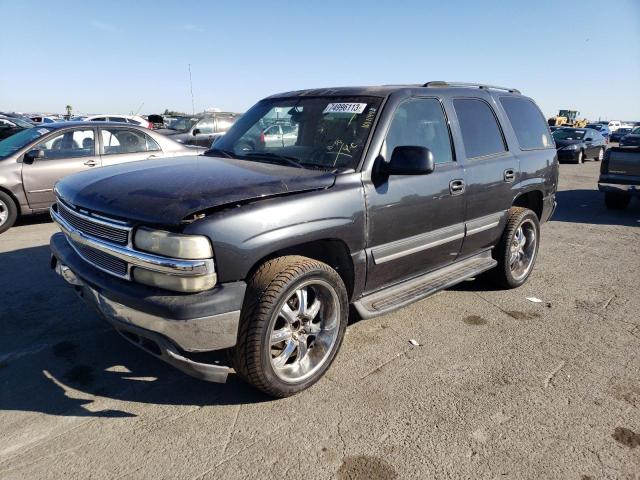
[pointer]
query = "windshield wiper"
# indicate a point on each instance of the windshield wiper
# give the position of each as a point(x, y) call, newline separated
point(269, 155)
point(218, 152)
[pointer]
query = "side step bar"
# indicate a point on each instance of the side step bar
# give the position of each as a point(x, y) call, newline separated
point(409, 291)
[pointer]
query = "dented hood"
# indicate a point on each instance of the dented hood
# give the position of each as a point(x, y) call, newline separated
point(165, 191)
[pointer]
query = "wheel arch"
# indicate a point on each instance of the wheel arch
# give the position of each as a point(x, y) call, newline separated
point(14, 198)
point(533, 200)
point(332, 251)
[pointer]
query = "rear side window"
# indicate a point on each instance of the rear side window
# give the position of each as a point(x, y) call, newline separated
point(480, 131)
point(528, 123)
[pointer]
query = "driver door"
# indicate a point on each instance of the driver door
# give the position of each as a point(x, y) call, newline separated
point(65, 152)
point(416, 222)
point(204, 132)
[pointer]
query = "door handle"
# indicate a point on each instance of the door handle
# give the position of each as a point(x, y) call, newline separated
point(151, 156)
point(456, 187)
point(509, 175)
point(90, 163)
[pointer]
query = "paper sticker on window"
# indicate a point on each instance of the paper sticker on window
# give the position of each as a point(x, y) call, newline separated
point(357, 108)
point(43, 131)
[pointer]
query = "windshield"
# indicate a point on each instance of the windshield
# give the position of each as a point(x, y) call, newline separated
point(636, 131)
point(21, 123)
point(596, 126)
point(12, 144)
point(623, 130)
point(568, 134)
point(183, 124)
point(313, 132)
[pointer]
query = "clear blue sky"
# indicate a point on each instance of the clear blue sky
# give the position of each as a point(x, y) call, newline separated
point(112, 56)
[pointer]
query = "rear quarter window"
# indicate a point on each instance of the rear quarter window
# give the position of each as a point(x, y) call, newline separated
point(527, 122)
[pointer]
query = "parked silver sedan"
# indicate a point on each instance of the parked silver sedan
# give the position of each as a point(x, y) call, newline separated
point(33, 160)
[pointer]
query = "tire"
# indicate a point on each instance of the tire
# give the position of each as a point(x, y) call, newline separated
point(272, 321)
point(515, 258)
point(600, 156)
point(580, 157)
point(616, 201)
point(8, 212)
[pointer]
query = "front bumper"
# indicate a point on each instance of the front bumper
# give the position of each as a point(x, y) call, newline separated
point(619, 188)
point(168, 326)
point(568, 155)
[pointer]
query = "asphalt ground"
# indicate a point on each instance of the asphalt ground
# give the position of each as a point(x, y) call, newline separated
point(499, 387)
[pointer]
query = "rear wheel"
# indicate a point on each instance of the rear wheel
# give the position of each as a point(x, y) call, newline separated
point(292, 325)
point(616, 201)
point(600, 155)
point(580, 157)
point(8, 212)
point(518, 249)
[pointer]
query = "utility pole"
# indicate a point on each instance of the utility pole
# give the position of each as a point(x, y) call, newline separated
point(193, 105)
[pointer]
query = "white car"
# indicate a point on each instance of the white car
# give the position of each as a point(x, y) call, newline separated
point(614, 125)
point(131, 119)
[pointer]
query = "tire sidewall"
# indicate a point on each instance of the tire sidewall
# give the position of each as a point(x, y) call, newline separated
point(508, 275)
point(13, 212)
point(580, 157)
point(334, 280)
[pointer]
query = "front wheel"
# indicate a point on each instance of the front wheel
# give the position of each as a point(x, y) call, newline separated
point(600, 155)
point(292, 325)
point(8, 212)
point(580, 157)
point(517, 251)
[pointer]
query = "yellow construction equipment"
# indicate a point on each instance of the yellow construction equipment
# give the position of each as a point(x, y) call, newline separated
point(568, 118)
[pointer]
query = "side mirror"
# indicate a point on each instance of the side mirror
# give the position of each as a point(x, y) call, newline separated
point(410, 160)
point(196, 131)
point(588, 139)
point(33, 155)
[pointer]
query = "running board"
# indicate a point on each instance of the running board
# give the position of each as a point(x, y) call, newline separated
point(409, 291)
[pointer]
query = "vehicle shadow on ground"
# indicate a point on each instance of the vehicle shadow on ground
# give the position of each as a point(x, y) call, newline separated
point(34, 219)
point(587, 206)
point(58, 357)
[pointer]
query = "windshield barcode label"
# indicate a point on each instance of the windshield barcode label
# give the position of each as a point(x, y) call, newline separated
point(345, 108)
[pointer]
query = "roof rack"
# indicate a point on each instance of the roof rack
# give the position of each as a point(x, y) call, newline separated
point(441, 84)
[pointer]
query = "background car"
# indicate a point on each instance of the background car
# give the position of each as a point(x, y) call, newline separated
point(200, 130)
point(578, 144)
point(619, 133)
point(11, 125)
point(631, 139)
point(130, 119)
point(602, 129)
point(34, 159)
point(42, 119)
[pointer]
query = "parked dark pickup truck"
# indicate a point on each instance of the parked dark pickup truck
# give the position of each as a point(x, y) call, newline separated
point(620, 176)
point(387, 195)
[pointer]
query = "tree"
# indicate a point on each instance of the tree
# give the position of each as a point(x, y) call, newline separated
point(68, 108)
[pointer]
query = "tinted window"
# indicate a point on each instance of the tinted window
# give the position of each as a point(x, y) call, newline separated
point(98, 119)
point(76, 143)
point(480, 131)
point(527, 121)
point(420, 122)
point(121, 140)
point(118, 119)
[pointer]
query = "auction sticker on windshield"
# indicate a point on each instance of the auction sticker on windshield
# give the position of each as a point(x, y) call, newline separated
point(345, 108)
point(43, 131)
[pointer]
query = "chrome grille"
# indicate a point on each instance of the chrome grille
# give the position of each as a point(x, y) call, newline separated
point(93, 226)
point(102, 260)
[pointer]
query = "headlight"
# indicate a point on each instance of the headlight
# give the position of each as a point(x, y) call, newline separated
point(174, 282)
point(179, 140)
point(571, 147)
point(188, 247)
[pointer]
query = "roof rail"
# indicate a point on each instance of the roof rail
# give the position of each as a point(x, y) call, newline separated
point(441, 84)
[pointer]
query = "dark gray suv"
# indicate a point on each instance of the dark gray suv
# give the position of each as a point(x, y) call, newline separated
point(257, 249)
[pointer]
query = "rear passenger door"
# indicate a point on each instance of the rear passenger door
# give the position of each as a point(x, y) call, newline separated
point(490, 172)
point(121, 144)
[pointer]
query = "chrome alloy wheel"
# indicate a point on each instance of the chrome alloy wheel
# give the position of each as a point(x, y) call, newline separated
point(523, 250)
point(4, 213)
point(304, 330)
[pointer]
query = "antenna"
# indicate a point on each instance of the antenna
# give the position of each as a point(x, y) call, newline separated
point(193, 105)
point(139, 108)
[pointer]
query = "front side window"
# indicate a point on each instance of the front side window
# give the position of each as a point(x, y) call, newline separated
point(17, 141)
point(121, 140)
point(118, 119)
point(481, 133)
point(317, 132)
point(69, 144)
point(420, 122)
point(527, 122)
point(205, 125)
